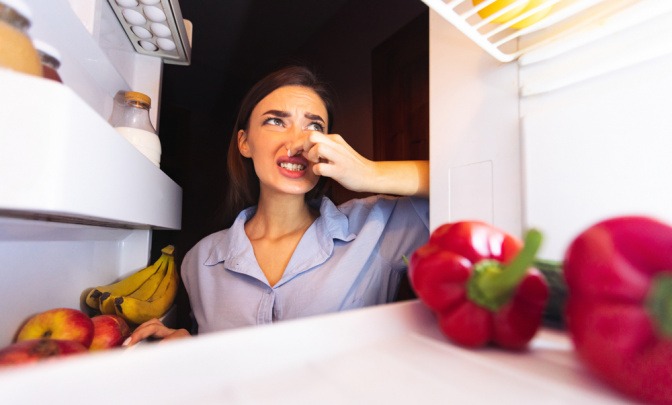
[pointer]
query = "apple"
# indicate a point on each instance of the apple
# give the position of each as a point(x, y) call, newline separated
point(58, 323)
point(109, 331)
point(31, 351)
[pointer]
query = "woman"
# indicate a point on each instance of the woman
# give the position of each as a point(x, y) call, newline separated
point(288, 251)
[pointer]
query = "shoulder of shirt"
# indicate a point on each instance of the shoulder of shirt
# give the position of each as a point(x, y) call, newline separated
point(206, 244)
point(367, 203)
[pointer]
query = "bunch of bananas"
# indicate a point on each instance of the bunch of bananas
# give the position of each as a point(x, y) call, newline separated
point(148, 293)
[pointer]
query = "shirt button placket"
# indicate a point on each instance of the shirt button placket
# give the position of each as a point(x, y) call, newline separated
point(265, 314)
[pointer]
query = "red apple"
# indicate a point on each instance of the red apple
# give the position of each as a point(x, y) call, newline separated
point(31, 351)
point(109, 331)
point(58, 323)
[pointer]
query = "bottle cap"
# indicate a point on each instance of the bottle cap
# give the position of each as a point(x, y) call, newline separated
point(20, 7)
point(137, 96)
point(47, 49)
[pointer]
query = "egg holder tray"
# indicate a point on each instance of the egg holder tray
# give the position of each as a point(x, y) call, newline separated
point(156, 28)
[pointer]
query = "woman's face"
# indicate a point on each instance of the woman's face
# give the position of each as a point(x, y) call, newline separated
point(281, 121)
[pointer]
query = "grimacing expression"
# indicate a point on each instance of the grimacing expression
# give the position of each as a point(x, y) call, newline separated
point(279, 123)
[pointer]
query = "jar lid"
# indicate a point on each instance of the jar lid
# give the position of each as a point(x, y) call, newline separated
point(137, 96)
point(20, 7)
point(45, 48)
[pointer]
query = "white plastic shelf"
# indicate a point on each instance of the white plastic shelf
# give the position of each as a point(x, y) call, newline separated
point(60, 160)
point(389, 354)
point(563, 19)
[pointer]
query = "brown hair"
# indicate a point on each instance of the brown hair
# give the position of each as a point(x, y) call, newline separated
point(243, 183)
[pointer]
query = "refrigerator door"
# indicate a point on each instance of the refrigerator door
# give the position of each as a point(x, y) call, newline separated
point(79, 202)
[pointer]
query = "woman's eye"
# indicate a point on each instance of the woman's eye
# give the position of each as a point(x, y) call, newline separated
point(316, 126)
point(274, 121)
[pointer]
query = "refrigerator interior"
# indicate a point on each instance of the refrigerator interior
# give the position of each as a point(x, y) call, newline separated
point(568, 134)
point(508, 146)
point(79, 202)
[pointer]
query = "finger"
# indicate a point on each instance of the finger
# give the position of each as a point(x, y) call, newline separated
point(137, 336)
point(177, 334)
point(313, 138)
point(328, 152)
point(321, 141)
point(153, 321)
point(324, 169)
point(317, 152)
point(151, 328)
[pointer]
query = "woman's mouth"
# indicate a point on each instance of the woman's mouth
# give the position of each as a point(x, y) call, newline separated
point(294, 167)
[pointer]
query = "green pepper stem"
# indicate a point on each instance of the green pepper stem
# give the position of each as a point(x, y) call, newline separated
point(492, 284)
point(659, 303)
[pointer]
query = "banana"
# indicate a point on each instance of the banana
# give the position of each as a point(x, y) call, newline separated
point(125, 286)
point(144, 291)
point(148, 288)
point(137, 311)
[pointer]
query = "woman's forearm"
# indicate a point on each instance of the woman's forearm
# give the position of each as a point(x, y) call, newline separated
point(403, 177)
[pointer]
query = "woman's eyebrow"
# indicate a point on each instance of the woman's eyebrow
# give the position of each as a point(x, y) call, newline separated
point(285, 114)
point(313, 117)
point(277, 113)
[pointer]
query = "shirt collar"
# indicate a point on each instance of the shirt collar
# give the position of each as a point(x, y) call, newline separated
point(234, 247)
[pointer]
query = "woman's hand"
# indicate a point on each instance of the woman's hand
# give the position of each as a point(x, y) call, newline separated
point(154, 328)
point(333, 157)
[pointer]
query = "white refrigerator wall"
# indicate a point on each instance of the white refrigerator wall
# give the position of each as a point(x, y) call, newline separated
point(588, 137)
point(474, 135)
point(78, 202)
point(599, 147)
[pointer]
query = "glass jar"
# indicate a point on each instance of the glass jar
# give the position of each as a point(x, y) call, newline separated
point(16, 49)
point(130, 117)
point(50, 59)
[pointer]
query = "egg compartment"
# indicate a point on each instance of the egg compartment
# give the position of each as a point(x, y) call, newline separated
point(156, 28)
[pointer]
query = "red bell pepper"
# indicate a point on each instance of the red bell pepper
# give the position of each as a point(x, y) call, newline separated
point(478, 281)
point(619, 305)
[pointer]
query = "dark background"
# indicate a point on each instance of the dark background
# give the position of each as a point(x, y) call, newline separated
point(236, 42)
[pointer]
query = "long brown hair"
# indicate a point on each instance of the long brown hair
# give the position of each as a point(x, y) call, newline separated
point(243, 182)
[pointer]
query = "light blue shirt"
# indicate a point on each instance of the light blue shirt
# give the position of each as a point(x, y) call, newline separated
point(350, 257)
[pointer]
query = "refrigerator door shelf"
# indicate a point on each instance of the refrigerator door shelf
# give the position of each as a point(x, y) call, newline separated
point(60, 160)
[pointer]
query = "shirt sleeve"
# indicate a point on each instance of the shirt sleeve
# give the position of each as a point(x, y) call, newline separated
point(406, 230)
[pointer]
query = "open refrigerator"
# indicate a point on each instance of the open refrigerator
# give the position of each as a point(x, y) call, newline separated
point(554, 126)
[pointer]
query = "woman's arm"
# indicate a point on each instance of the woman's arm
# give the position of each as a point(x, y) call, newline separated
point(333, 157)
point(403, 177)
